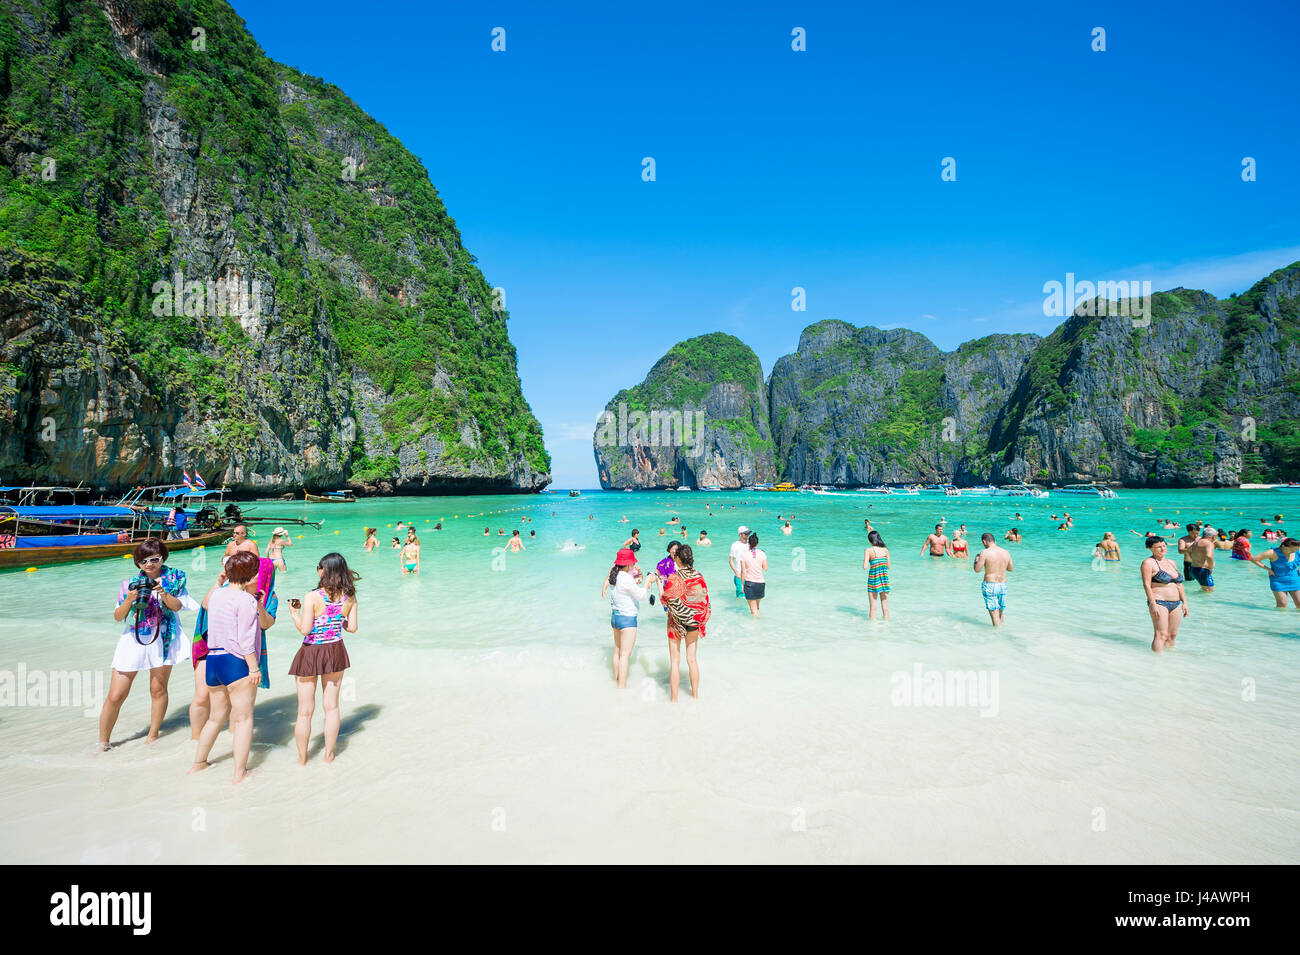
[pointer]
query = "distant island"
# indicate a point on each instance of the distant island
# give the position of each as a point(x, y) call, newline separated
point(1200, 392)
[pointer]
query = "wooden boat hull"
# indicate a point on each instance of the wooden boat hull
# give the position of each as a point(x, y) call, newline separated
point(21, 557)
point(325, 499)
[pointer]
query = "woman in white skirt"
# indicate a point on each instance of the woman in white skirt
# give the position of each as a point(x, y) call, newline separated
point(152, 638)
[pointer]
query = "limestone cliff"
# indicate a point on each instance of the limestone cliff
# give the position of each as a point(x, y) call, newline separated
point(699, 418)
point(209, 260)
point(863, 406)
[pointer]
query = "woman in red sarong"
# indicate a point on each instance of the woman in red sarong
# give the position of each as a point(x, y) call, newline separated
point(686, 598)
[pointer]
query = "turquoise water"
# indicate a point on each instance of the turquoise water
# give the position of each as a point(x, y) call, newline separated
point(481, 723)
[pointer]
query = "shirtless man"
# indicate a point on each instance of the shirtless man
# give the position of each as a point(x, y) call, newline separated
point(240, 542)
point(995, 563)
point(937, 543)
point(1184, 542)
point(1200, 559)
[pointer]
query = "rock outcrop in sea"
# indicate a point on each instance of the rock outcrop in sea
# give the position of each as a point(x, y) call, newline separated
point(1199, 392)
point(699, 418)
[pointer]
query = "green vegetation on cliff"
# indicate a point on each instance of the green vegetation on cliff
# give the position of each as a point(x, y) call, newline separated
point(690, 369)
point(334, 216)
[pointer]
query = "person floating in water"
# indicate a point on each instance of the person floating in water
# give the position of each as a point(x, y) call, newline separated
point(995, 563)
point(1013, 535)
point(516, 543)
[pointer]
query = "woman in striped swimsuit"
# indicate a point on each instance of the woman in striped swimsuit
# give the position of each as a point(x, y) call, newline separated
point(875, 561)
point(321, 617)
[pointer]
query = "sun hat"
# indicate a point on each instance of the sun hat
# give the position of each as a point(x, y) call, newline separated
point(625, 558)
point(278, 531)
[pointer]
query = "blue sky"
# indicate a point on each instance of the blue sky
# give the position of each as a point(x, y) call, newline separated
point(818, 169)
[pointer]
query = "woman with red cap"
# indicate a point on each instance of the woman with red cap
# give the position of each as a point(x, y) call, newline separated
point(625, 601)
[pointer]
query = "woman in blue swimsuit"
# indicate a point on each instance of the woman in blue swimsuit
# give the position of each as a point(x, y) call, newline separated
point(1283, 571)
point(1166, 599)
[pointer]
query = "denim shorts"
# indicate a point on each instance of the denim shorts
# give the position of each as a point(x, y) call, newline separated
point(622, 621)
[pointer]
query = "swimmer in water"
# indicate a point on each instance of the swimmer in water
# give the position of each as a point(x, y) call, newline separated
point(516, 543)
point(957, 547)
point(787, 529)
point(397, 545)
point(937, 543)
point(1013, 535)
point(1107, 548)
point(372, 541)
point(487, 532)
point(1283, 571)
point(703, 540)
point(411, 555)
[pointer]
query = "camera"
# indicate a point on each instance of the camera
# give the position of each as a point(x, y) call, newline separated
point(143, 587)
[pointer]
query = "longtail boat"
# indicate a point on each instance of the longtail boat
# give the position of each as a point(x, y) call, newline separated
point(80, 533)
point(331, 497)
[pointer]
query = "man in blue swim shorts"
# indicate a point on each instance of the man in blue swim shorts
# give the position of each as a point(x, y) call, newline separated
point(995, 563)
point(1200, 559)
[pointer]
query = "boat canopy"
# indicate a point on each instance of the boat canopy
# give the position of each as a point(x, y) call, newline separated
point(71, 540)
point(188, 492)
point(68, 513)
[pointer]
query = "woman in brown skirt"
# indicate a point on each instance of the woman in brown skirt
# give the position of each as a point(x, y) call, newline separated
point(321, 617)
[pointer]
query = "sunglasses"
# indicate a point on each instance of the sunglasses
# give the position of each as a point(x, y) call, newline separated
point(151, 560)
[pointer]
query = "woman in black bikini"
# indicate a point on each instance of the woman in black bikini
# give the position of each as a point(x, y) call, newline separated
point(1166, 599)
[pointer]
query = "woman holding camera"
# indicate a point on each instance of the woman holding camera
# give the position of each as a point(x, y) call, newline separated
point(152, 638)
point(231, 665)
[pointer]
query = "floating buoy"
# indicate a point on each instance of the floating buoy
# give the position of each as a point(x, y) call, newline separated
point(336, 532)
point(124, 557)
point(299, 537)
point(32, 570)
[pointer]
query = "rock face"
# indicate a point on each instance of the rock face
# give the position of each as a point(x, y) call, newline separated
point(1199, 392)
point(1204, 393)
point(211, 261)
point(700, 418)
point(864, 406)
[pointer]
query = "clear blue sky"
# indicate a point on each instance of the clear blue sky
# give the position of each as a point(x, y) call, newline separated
point(818, 169)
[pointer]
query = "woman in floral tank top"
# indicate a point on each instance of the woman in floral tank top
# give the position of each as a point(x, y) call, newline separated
point(321, 617)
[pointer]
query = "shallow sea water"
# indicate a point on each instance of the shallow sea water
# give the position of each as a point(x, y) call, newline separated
point(481, 723)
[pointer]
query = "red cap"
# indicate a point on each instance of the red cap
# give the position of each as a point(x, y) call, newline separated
point(625, 558)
